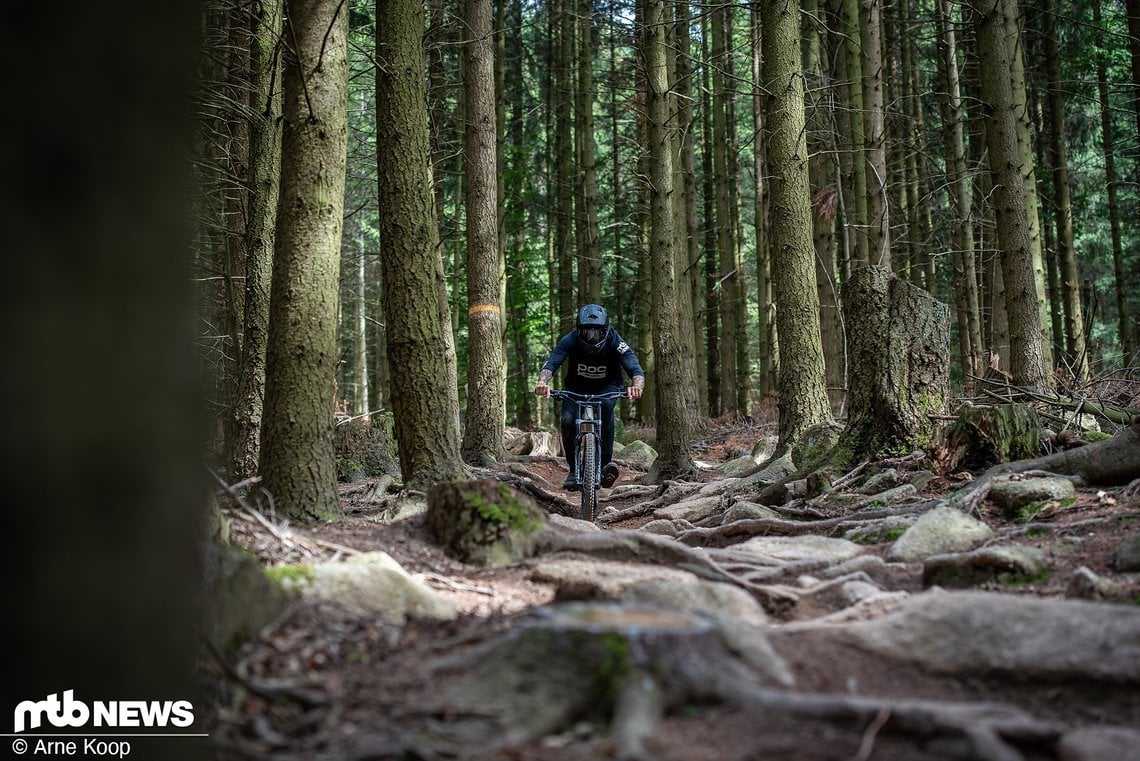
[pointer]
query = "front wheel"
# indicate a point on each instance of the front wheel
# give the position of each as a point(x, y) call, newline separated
point(588, 476)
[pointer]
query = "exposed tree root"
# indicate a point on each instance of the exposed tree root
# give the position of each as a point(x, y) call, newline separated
point(637, 547)
point(629, 667)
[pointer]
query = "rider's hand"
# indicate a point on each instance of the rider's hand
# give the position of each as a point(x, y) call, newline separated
point(542, 389)
point(633, 392)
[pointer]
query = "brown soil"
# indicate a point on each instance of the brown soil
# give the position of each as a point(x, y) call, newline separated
point(356, 689)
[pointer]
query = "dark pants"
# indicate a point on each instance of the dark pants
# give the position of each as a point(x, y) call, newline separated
point(569, 430)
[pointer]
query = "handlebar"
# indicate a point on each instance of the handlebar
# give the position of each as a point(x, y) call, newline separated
point(575, 397)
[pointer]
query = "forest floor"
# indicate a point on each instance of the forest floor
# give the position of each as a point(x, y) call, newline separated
point(355, 689)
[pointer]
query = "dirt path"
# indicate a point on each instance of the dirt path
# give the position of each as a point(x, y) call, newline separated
point(362, 689)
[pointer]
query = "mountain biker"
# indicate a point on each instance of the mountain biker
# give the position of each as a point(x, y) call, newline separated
point(597, 355)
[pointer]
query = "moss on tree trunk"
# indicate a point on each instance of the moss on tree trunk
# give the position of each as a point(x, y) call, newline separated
point(899, 340)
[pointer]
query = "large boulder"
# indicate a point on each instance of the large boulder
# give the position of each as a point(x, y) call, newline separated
point(639, 455)
point(791, 549)
point(1013, 493)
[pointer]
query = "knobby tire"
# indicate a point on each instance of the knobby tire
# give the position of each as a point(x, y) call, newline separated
point(588, 454)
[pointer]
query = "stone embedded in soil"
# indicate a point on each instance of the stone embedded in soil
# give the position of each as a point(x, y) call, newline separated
point(938, 532)
point(690, 510)
point(790, 549)
point(743, 511)
point(639, 454)
point(373, 585)
point(1011, 493)
point(1011, 563)
point(590, 579)
point(1127, 555)
point(737, 466)
point(979, 632)
point(1100, 744)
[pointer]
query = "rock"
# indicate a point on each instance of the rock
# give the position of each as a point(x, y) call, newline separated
point(773, 471)
point(1100, 744)
point(572, 524)
point(866, 609)
point(1127, 555)
point(883, 530)
point(890, 496)
point(1086, 585)
point(483, 522)
point(639, 455)
point(661, 526)
point(738, 466)
point(742, 511)
point(790, 549)
point(712, 599)
point(764, 448)
point(880, 482)
point(968, 569)
point(691, 510)
point(978, 632)
point(920, 479)
point(1011, 493)
point(816, 442)
point(238, 598)
point(938, 532)
point(373, 585)
point(402, 508)
point(591, 579)
point(736, 614)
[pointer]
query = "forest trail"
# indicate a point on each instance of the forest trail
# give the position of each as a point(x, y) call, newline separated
point(1022, 643)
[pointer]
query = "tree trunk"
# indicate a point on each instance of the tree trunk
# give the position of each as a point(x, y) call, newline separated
point(730, 275)
point(802, 393)
point(1124, 332)
point(712, 293)
point(564, 170)
point(1027, 342)
point(878, 209)
point(243, 441)
point(674, 369)
point(297, 462)
point(961, 196)
point(1026, 164)
point(690, 254)
point(589, 254)
point(424, 399)
point(486, 376)
point(1133, 10)
point(1062, 201)
point(900, 365)
point(856, 212)
point(766, 318)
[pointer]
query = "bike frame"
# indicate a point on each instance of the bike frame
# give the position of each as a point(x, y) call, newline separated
point(588, 423)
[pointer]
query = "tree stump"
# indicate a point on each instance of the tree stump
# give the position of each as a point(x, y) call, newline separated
point(483, 522)
point(621, 665)
point(985, 436)
point(898, 340)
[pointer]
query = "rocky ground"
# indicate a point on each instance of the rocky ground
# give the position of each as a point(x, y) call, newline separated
point(869, 618)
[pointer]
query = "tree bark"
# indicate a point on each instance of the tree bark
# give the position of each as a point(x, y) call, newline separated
point(802, 393)
point(297, 462)
point(900, 365)
point(1027, 341)
point(730, 275)
point(589, 253)
point(424, 400)
point(486, 369)
point(674, 369)
point(878, 207)
point(970, 345)
point(243, 442)
point(1124, 332)
point(1062, 201)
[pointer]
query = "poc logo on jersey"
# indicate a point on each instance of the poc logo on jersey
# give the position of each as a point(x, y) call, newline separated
point(592, 371)
point(70, 712)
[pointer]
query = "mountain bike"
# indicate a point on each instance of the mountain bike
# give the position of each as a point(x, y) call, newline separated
point(588, 438)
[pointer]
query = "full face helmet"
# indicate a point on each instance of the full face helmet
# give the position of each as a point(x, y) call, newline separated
point(593, 328)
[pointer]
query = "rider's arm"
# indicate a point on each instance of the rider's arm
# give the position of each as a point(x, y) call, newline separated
point(637, 388)
point(543, 387)
point(557, 356)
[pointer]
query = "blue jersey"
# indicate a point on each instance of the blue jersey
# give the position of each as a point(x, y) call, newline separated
point(594, 373)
